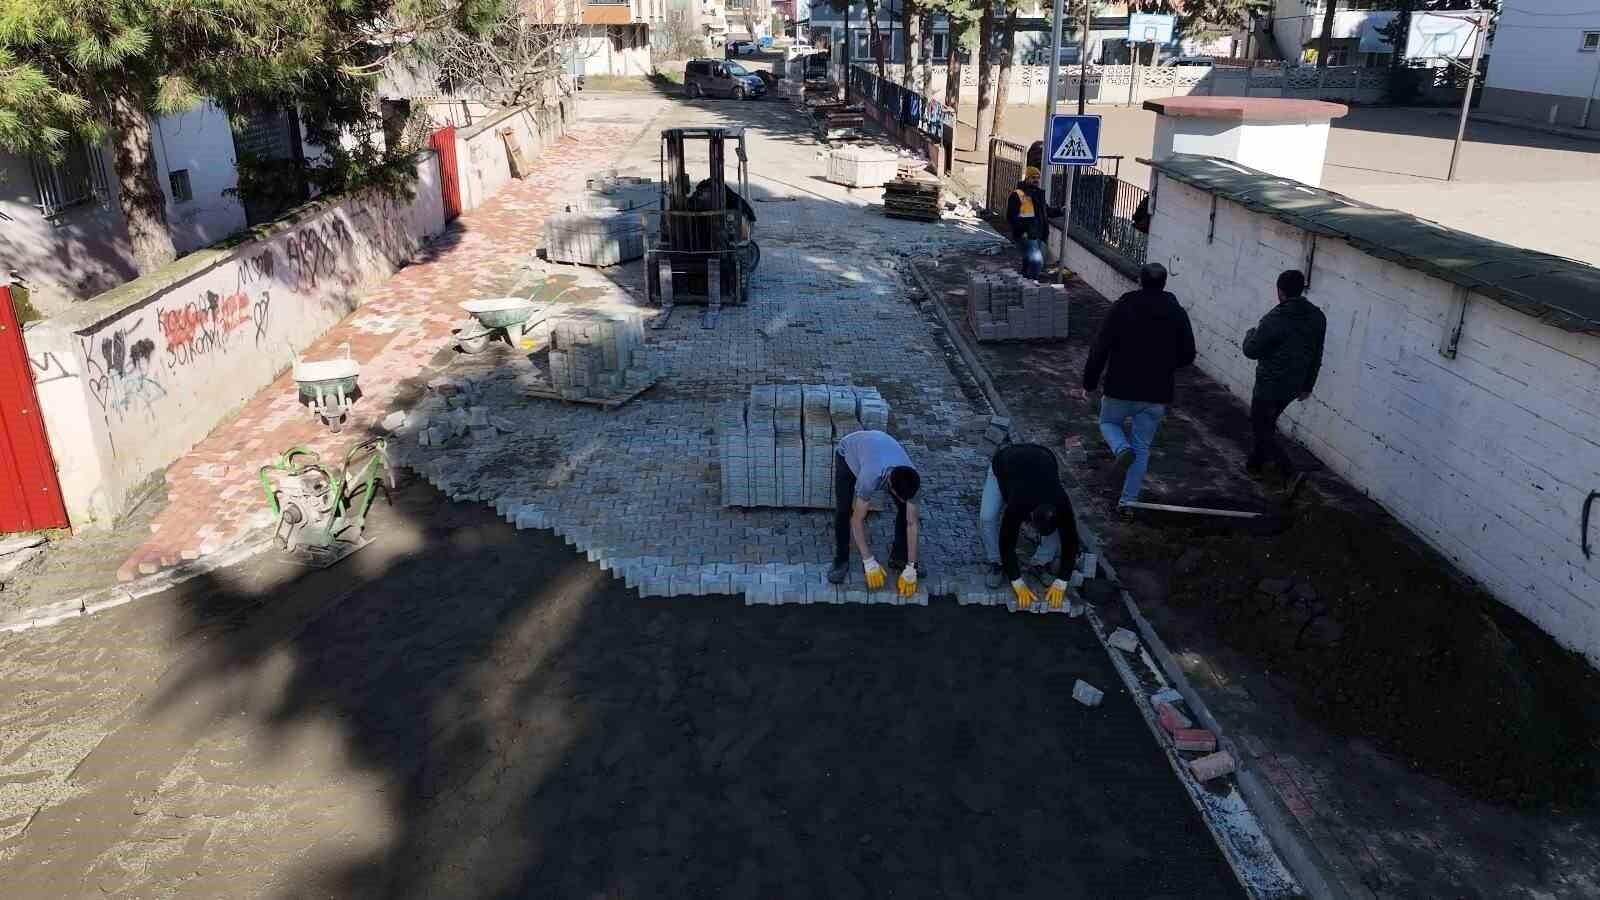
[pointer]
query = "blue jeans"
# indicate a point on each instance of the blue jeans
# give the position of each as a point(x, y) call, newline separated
point(1145, 418)
point(990, 510)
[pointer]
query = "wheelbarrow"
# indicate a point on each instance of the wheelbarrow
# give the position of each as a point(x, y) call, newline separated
point(329, 386)
point(507, 318)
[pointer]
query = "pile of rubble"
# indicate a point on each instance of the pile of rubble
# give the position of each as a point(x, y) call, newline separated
point(778, 447)
point(1008, 306)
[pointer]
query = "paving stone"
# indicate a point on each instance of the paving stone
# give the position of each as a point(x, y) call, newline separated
point(1124, 640)
point(1086, 693)
point(1212, 766)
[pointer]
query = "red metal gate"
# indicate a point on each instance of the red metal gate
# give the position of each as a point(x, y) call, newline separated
point(443, 142)
point(30, 496)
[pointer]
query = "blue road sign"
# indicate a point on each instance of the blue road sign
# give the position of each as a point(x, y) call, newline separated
point(1074, 140)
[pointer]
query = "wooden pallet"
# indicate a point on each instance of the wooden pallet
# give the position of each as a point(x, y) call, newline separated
point(605, 403)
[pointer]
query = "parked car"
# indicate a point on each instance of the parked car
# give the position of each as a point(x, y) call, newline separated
point(721, 78)
point(741, 48)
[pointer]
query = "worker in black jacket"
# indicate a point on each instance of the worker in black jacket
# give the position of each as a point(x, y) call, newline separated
point(1145, 339)
point(1025, 209)
point(1287, 346)
point(1025, 486)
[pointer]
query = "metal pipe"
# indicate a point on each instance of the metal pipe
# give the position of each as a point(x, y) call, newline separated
point(1479, 33)
point(1589, 100)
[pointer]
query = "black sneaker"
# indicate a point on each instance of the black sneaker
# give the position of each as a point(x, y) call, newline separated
point(996, 577)
point(1118, 470)
point(839, 572)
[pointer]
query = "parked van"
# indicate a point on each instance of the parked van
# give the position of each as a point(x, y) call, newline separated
point(721, 78)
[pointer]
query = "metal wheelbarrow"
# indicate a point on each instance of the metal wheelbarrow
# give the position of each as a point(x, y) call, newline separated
point(510, 318)
point(329, 386)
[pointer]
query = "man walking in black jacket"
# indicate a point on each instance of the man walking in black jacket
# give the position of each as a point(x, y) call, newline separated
point(1287, 347)
point(1025, 486)
point(1144, 340)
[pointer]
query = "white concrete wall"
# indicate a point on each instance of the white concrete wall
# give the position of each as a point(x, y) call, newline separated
point(1487, 456)
point(200, 141)
point(142, 373)
point(599, 55)
point(482, 161)
point(79, 254)
point(1536, 47)
point(1289, 150)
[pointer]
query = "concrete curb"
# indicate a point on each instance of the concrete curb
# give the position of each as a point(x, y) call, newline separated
point(89, 603)
point(1301, 867)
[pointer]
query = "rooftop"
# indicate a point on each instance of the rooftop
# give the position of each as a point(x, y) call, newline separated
point(1560, 292)
point(1247, 109)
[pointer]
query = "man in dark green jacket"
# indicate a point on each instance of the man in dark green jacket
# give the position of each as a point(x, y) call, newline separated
point(1287, 347)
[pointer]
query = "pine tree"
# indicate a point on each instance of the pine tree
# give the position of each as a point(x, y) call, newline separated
point(100, 68)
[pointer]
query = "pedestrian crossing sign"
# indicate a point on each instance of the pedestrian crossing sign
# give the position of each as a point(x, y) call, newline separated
point(1074, 140)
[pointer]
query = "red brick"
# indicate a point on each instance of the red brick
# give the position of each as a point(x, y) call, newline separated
point(1172, 719)
point(1194, 739)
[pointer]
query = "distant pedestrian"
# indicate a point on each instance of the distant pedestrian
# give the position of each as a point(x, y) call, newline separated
point(1144, 341)
point(1024, 485)
point(1026, 214)
point(866, 462)
point(1287, 346)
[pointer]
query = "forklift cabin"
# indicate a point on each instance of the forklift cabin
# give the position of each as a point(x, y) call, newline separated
point(702, 252)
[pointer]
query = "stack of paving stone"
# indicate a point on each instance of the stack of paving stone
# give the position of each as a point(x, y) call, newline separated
point(595, 237)
point(778, 448)
point(1008, 306)
point(912, 197)
point(598, 355)
point(862, 166)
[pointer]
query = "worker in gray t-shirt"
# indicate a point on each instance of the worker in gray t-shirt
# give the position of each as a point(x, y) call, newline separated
point(867, 461)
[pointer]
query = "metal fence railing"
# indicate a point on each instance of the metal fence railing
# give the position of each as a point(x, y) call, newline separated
point(908, 107)
point(1108, 208)
point(1102, 204)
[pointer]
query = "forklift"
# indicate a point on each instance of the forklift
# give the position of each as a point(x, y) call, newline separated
point(702, 251)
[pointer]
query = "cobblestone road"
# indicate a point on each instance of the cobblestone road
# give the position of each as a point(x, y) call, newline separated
point(638, 490)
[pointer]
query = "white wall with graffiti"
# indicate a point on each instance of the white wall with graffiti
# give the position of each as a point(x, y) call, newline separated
point(141, 373)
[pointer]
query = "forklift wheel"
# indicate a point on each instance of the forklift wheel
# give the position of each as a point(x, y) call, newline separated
point(750, 256)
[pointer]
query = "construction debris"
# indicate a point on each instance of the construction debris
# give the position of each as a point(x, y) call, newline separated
point(836, 121)
point(1087, 694)
point(912, 197)
point(1008, 306)
point(778, 448)
point(1124, 640)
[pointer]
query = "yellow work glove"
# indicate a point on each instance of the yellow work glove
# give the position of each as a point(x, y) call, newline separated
point(1024, 595)
point(875, 576)
point(908, 580)
point(1057, 591)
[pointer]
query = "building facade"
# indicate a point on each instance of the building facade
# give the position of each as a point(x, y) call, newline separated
point(1546, 63)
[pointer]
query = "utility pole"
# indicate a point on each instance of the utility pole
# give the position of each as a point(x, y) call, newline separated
point(1480, 32)
point(1083, 56)
point(1050, 109)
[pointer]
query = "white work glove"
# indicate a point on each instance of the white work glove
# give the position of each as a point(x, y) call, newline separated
point(874, 572)
point(908, 580)
point(1024, 594)
point(1057, 592)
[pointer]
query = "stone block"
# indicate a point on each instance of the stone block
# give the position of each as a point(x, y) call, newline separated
point(1086, 693)
point(1166, 695)
point(394, 421)
point(1124, 640)
point(1215, 765)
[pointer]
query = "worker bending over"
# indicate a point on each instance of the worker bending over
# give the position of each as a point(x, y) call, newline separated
point(1025, 486)
point(868, 461)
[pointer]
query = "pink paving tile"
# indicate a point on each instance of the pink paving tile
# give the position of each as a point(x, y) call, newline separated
point(223, 498)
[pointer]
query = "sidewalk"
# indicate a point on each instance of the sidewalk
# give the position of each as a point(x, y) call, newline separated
point(1346, 774)
point(215, 500)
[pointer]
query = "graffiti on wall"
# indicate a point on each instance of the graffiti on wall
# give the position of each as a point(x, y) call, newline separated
point(48, 368)
point(315, 252)
point(122, 380)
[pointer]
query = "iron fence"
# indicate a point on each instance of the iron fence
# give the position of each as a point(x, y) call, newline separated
point(1103, 205)
point(908, 107)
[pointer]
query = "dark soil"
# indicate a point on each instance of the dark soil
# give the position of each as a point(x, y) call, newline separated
point(1378, 636)
point(1383, 641)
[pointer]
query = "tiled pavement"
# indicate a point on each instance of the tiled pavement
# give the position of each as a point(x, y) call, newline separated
point(215, 497)
point(637, 489)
